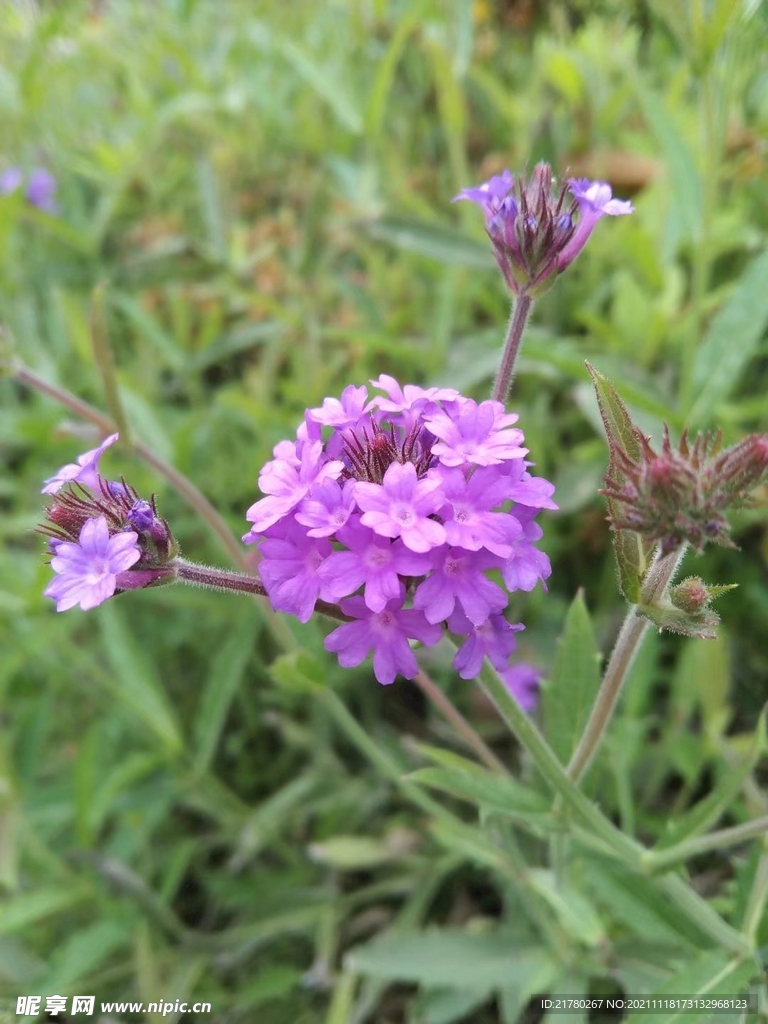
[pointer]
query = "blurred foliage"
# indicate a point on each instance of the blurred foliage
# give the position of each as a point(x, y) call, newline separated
point(260, 192)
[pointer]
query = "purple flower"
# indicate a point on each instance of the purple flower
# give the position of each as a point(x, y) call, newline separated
point(287, 480)
point(595, 200)
point(477, 435)
point(386, 633)
point(289, 569)
point(341, 413)
point(373, 562)
point(494, 639)
point(41, 188)
point(523, 682)
point(404, 508)
point(535, 227)
point(458, 575)
point(87, 572)
point(85, 471)
point(328, 509)
point(401, 507)
point(10, 180)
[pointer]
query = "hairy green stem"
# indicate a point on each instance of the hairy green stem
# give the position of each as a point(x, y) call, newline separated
point(627, 645)
point(545, 759)
point(655, 860)
point(517, 321)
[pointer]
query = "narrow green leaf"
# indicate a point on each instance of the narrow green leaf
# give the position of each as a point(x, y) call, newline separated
point(576, 913)
point(640, 906)
point(451, 958)
point(484, 790)
point(569, 695)
point(439, 243)
point(730, 342)
point(707, 812)
point(134, 680)
point(712, 974)
point(226, 675)
point(84, 951)
point(631, 551)
point(29, 908)
point(685, 205)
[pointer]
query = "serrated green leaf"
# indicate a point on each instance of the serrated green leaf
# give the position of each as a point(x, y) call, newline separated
point(452, 958)
point(730, 342)
point(569, 695)
point(632, 552)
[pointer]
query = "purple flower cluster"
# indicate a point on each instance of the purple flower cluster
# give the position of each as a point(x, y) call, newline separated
point(103, 537)
point(537, 228)
point(402, 509)
point(40, 187)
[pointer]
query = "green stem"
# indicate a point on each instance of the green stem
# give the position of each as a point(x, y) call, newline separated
point(626, 849)
point(655, 860)
point(517, 321)
point(697, 909)
point(627, 645)
point(621, 846)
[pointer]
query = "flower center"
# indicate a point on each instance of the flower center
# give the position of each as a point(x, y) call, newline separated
point(99, 568)
point(369, 451)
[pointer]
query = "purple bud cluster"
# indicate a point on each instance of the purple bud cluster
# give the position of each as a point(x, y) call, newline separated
point(103, 537)
point(405, 509)
point(681, 495)
point(538, 228)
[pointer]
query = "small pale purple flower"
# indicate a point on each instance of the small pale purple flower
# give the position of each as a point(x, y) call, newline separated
point(536, 228)
point(40, 190)
point(401, 506)
point(87, 572)
point(85, 471)
point(523, 682)
point(10, 180)
point(404, 508)
point(103, 537)
point(386, 633)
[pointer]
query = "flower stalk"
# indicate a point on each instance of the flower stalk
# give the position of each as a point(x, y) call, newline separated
point(521, 311)
point(625, 650)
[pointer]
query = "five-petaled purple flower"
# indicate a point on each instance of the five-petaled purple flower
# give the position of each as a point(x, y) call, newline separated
point(87, 572)
point(407, 509)
point(537, 229)
point(103, 537)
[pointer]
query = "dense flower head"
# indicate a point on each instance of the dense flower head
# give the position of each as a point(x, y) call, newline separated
point(104, 538)
point(681, 495)
point(407, 509)
point(537, 227)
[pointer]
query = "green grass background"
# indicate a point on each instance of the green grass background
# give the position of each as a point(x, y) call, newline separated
point(255, 198)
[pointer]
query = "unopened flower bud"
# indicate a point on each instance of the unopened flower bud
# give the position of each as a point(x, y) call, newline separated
point(683, 494)
point(538, 228)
